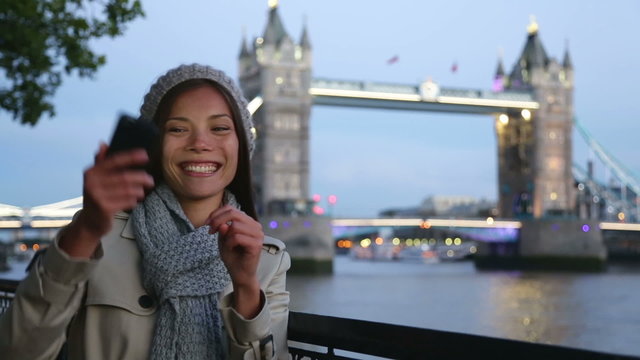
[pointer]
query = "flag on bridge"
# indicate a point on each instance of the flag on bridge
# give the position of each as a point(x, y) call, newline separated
point(393, 60)
point(454, 67)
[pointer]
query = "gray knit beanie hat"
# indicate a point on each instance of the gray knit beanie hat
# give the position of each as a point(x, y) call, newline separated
point(183, 73)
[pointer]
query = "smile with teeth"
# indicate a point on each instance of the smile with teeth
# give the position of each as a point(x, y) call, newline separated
point(200, 168)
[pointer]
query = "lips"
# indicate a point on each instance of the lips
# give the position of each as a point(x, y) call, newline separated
point(203, 168)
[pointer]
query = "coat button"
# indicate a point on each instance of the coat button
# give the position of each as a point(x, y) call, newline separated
point(145, 301)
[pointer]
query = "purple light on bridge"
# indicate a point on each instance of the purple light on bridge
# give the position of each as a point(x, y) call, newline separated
point(586, 228)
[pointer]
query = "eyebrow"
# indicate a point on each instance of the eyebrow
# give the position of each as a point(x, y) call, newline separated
point(212, 117)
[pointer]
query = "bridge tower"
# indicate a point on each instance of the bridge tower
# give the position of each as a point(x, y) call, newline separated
point(535, 148)
point(279, 71)
point(535, 176)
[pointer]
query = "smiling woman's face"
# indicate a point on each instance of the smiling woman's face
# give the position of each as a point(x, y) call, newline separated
point(199, 146)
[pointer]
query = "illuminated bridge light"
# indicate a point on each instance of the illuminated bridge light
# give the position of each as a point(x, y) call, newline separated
point(10, 224)
point(49, 223)
point(619, 226)
point(345, 244)
point(253, 106)
point(376, 95)
point(476, 223)
point(489, 102)
point(376, 222)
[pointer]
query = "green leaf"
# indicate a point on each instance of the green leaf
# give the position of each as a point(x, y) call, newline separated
point(41, 39)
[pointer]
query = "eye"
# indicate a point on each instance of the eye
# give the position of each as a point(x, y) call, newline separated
point(175, 129)
point(220, 128)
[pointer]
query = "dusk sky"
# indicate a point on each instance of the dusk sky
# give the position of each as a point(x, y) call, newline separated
point(369, 159)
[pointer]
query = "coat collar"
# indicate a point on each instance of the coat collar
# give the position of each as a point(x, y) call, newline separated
point(127, 231)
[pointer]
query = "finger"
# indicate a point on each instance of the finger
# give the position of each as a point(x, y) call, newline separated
point(102, 152)
point(219, 211)
point(102, 186)
point(222, 230)
point(119, 191)
point(96, 181)
point(241, 241)
point(126, 159)
point(233, 223)
point(119, 199)
point(251, 230)
point(222, 215)
point(134, 178)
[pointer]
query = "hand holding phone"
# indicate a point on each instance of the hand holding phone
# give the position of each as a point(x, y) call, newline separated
point(106, 191)
point(131, 133)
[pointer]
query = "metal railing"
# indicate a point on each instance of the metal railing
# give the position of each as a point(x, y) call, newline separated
point(324, 337)
point(7, 290)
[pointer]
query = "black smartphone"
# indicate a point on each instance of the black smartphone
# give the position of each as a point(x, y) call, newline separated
point(132, 133)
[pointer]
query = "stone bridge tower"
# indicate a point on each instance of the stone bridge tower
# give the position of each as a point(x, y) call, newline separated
point(279, 70)
point(535, 148)
point(535, 174)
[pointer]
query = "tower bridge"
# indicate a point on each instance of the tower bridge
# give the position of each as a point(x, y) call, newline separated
point(532, 107)
point(532, 111)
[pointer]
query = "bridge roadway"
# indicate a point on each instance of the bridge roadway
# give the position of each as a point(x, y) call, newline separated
point(472, 223)
point(621, 239)
point(427, 96)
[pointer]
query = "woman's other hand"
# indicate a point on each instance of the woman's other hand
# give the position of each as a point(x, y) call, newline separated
point(111, 185)
point(240, 242)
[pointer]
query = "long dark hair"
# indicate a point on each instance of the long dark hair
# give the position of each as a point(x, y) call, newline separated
point(241, 185)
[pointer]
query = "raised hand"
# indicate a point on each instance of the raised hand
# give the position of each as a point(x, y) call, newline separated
point(110, 185)
point(240, 243)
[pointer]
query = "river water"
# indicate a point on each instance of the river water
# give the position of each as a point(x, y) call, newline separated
point(597, 311)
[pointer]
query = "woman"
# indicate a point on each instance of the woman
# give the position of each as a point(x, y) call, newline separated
point(188, 274)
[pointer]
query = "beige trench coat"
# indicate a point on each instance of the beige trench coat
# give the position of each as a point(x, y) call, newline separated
point(107, 314)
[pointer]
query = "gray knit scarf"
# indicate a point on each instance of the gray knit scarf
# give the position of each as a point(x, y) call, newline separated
point(182, 267)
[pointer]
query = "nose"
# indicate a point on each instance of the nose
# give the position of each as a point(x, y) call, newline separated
point(198, 141)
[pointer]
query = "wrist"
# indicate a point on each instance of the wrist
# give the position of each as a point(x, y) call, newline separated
point(247, 299)
point(78, 240)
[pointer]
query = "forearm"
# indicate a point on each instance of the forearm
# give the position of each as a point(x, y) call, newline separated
point(247, 300)
point(34, 327)
point(78, 240)
point(265, 335)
